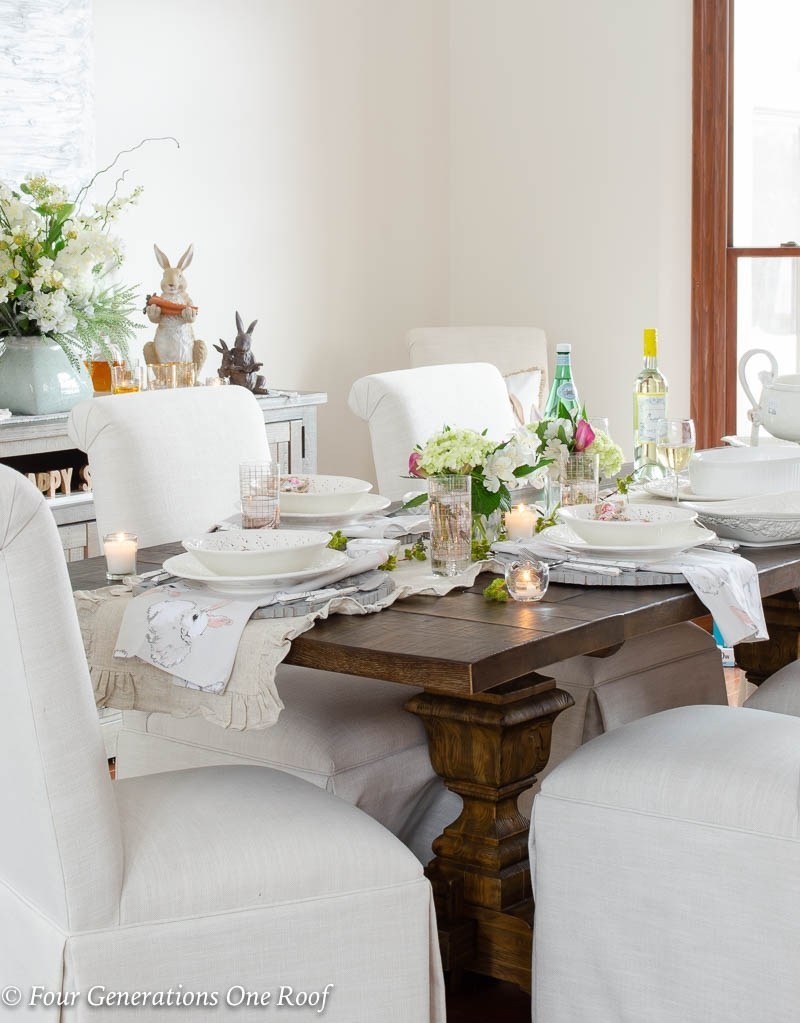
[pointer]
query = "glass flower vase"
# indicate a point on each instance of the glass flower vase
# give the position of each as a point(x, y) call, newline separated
point(450, 505)
point(577, 483)
point(486, 528)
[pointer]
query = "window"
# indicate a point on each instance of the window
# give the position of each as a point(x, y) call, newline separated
point(746, 201)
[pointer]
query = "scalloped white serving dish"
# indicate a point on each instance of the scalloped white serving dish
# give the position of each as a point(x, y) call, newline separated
point(772, 519)
point(246, 552)
point(325, 494)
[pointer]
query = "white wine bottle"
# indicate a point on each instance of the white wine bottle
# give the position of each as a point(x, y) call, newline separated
point(563, 390)
point(649, 405)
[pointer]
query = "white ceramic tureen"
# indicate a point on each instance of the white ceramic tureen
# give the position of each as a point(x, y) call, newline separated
point(778, 407)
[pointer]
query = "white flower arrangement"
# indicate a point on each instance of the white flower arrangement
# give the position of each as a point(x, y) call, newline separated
point(496, 468)
point(572, 433)
point(56, 267)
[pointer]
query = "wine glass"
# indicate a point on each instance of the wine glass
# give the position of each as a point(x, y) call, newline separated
point(675, 439)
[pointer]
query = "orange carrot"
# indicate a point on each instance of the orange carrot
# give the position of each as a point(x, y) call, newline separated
point(167, 307)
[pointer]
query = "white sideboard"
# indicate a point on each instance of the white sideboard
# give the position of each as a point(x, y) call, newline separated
point(39, 444)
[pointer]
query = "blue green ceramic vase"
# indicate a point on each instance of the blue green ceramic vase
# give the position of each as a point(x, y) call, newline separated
point(37, 379)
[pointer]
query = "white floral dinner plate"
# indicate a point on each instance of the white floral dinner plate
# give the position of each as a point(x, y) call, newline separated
point(666, 488)
point(186, 566)
point(364, 504)
point(563, 536)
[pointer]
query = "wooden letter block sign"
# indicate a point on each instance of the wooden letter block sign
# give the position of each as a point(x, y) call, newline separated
point(60, 479)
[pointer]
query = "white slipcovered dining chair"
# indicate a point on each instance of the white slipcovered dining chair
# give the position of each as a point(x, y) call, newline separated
point(520, 353)
point(672, 667)
point(165, 466)
point(197, 880)
point(666, 873)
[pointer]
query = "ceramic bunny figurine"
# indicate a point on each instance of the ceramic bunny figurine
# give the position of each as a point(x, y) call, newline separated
point(173, 312)
point(238, 363)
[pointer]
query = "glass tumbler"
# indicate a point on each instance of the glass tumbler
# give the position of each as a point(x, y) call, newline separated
point(259, 490)
point(450, 505)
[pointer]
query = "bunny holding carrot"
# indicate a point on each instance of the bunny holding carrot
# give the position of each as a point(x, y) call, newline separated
point(173, 313)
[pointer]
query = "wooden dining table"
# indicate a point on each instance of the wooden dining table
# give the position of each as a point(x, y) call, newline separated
point(488, 713)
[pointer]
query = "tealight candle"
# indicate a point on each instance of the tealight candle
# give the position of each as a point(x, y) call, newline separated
point(120, 551)
point(527, 580)
point(520, 522)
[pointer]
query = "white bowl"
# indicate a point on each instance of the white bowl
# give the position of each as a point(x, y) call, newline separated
point(325, 494)
point(742, 472)
point(239, 552)
point(646, 525)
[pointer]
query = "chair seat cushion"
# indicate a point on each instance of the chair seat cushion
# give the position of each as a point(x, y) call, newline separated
point(779, 693)
point(346, 734)
point(217, 839)
point(723, 766)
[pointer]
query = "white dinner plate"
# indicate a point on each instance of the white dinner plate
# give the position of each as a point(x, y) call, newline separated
point(186, 566)
point(666, 488)
point(366, 504)
point(563, 536)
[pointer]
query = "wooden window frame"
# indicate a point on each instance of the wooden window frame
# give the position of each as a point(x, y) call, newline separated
point(715, 259)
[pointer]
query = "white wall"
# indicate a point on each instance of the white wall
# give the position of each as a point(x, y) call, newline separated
point(312, 176)
point(353, 168)
point(571, 182)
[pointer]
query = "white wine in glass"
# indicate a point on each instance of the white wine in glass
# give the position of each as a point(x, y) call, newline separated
point(675, 440)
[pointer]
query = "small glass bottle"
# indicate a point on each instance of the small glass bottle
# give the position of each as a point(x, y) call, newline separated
point(649, 405)
point(563, 390)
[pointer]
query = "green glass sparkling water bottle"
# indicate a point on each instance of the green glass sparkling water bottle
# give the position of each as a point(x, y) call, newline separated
point(563, 390)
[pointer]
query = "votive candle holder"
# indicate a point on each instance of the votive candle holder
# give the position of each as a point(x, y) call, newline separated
point(527, 581)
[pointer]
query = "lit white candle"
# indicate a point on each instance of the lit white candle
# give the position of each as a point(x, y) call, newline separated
point(120, 551)
point(520, 522)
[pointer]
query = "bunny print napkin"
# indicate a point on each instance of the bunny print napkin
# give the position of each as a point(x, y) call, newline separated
point(187, 631)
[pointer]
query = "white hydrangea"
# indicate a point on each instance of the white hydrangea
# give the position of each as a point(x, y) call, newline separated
point(52, 311)
point(611, 456)
point(455, 451)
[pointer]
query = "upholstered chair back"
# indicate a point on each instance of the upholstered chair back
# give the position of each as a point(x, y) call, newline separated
point(61, 847)
point(520, 353)
point(165, 464)
point(405, 407)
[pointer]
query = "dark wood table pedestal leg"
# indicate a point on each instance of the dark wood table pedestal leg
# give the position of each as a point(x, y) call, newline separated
point(488, 749)
point(782, 614)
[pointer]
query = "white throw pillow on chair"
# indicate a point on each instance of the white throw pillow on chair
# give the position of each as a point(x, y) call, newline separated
point(520, 353)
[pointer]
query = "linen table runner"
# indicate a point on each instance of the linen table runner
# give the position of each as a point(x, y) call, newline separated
point(250, 699)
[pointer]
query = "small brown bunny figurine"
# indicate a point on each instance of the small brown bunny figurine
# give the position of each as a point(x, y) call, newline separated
point(238, 363)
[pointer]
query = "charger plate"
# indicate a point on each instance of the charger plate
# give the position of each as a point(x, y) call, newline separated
point(575, 577)
point(185, 566)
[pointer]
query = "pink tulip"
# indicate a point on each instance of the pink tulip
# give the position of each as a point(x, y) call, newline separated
point(584, 435)
point(413, 465)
